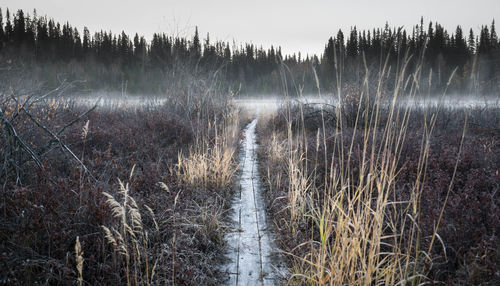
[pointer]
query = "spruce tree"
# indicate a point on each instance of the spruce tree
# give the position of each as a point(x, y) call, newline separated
point(29, 34)
point(2, 33)
point(19, 28)
point(493, 36)
point(340, 41)
point(421, 35)
point(86, 42)
point(404, 43)
point(227, 53)
point(352, 44)
point(78, 48)
point(471, 42)
point(137, 50)
point(8, 27)
point(484, 41)
point(196, 46)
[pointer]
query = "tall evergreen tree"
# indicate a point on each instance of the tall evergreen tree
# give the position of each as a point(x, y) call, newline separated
point(19, 28)
point(352, 44)
point(8, 27)
point(2, 33)
point(196, 47)
point(484, 45)
point(117, 56)
point(227, 53)
point(471, 42)
point(493, 36)
point(78, 46)
point(404, 43)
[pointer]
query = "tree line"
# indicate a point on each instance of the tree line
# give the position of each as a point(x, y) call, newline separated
point(48, 51)
point(472, 59)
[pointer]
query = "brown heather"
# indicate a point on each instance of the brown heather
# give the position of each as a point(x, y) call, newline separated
point(354, 192)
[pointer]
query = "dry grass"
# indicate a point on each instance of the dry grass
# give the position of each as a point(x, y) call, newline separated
point(211, 163)
point(137, 233)
point(359, 232)
point(79, 261)
point(129, 238)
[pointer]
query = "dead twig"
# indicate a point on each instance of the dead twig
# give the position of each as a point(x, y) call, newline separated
point(15, 136)
point(56, 139)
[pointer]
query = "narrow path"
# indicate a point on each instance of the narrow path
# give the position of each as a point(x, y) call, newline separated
point(254, 260)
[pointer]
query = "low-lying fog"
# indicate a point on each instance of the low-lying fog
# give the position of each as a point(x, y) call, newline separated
point(272, 103)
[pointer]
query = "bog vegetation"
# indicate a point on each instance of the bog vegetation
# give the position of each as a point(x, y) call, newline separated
point(366, 191)
point(372, 192)
point(131, 195)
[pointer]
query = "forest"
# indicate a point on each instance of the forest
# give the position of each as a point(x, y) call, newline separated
point(49, 51)
point(126, 160)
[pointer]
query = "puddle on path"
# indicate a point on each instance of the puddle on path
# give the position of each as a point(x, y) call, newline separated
point(254, 257)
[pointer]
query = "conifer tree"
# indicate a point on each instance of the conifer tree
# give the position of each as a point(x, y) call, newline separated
point(493, 36)
point(404, 43)
point(8, 27)
point(471, 42)
point(352, 44)
point(459, 39)
point(484, 41)
point(86, 42)
point(2, 33)
point(78, 48)
point(44, 41)
point(227, 53)
point(196, 47)
point(19, 28)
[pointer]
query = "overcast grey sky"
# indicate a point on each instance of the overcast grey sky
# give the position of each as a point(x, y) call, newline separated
point(296, 25)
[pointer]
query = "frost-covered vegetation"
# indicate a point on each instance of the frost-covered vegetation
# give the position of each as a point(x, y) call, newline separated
point(362, 186)
point(370, 193)
point(128, 195)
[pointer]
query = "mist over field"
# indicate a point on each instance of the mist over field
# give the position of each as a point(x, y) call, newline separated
point(183, 159)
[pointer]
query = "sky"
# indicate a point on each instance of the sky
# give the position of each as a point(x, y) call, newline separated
point(296, 25)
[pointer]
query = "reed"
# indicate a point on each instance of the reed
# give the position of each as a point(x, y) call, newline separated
point(360, 232)
point(79, 261)
point(211, 162)
point(130, 238)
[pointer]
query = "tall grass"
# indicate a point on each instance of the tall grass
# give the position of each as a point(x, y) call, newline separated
point(361, 233)
point(79, 261)
point(130, 238)
point(211, 162)
point(57, 189)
